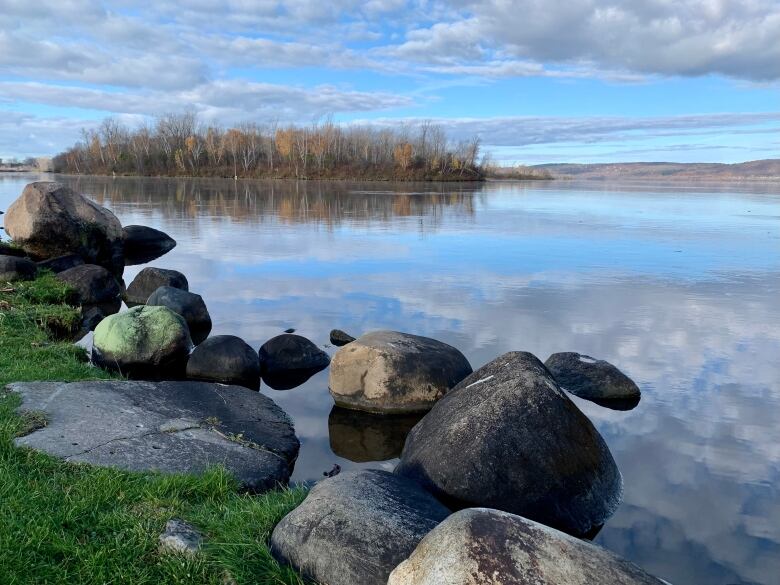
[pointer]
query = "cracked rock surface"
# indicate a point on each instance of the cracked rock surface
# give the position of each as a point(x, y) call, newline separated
point(170, 427)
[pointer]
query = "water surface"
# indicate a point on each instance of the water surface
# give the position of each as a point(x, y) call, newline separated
point(676, 284)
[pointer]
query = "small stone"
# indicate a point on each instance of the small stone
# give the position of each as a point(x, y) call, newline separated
point(13, 268)
point(340, 338)
point(93, 284)
point(180, 537)
point(61, 263)
point(591, 379)
point(149, 280)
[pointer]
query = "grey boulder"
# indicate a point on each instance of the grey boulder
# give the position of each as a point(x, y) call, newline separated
point(149, 280)
point(168, 427)
point(92, 284)
point(356, 527)
point(392, 372)
point(144, 244)
point(13, 268)
point(227, 359)
point(188, 305)
point(508, 437)
point(50, 220)
point(592, 379)
point(480, 546)
point(288, 360)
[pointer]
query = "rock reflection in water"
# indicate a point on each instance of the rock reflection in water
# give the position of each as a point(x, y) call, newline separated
point(362, 436)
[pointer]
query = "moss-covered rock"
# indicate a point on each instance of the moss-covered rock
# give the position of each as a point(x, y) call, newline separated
point(143, 343)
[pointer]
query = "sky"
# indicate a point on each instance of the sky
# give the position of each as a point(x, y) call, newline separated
point(537, 80)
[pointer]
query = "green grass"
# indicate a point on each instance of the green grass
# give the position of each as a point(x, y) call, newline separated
point(71, 523)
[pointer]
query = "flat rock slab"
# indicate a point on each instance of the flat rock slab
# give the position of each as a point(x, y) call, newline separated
point(169, 427)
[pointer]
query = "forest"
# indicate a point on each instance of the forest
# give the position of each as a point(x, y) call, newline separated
point(181, 145)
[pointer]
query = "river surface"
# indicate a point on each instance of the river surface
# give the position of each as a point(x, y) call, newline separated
point(678, 285)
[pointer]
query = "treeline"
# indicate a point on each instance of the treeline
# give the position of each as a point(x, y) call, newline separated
point(180, 145)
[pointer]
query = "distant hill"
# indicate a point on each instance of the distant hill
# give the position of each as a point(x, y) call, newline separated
point(757, 170)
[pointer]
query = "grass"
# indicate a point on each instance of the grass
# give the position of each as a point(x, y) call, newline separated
point(73, 523)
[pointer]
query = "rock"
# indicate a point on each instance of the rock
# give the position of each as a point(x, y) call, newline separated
point(13, 268)
point(149, 280)
point(170, 427)
point(365, 436)
point(188, 305)
point(92, 284)
point(340, 338)
point(592, 379)
point(226, 359)
point(356, 527)
point(480, 546)
point(144, 244)
point(7, 249)
point(143, 342)
point(288, 360)
point(50, 220)
point(391, 372)
point(508, 437)
point(180, 537)
point(61, 263)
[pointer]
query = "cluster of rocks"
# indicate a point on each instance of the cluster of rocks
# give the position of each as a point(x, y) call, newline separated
point(500, 477)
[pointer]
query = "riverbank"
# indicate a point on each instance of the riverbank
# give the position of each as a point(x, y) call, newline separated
point(65, 523)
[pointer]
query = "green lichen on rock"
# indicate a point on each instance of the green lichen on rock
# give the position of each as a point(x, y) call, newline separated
point(141, 340)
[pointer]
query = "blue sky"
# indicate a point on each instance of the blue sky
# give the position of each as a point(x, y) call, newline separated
point(538, 81)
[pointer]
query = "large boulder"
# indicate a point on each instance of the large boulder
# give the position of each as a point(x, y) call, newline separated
point(149, 280)
point(392, 372)
point(227, 359)
point(356, 527)
point(508, 437)
point(143, 342)
point(488, 547)
point(144, 244)
point(13, 268)
point(188, 305)
point(592, 379)
point(288, 360)
point(169, 427)
point(92, 284)
point(50, 220)
point(61, 263)
point(365, 436)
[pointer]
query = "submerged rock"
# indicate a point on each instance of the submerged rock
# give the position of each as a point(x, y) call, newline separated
point(92, 284)
point(50, 220)
point(480, 546)
point(508, 437)
point(392, 372)
point(365, 436)
point(144, 244)
point(340, 338)
point(356, 527)
point(288, 360)
point(188, 305)
point(13, 268)
point(169, 427)
point(61, 263)
point(143, 343)
point(592, 379)
point(149, 280)
point(226, 359)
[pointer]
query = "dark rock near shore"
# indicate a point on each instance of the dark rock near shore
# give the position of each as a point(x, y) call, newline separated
point(143, 343)
point(508, 437)
point(92, 284)
point(288, 360)
point(149, 280)
point(365, 436)
point(7, 249)
point(592, 379)
point(50, 220)
point(61, 263)
point(340, 338)
point(13, 268)
point(170, 427)
point(480, 546)
point(188, 305)
point(391, 372)
point(227, 359)
point(356, 527)
point(144, 244)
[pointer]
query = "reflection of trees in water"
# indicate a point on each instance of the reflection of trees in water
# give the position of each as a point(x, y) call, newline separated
point(329, 203)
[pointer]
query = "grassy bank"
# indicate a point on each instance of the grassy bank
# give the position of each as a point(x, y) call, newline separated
point(71, 523)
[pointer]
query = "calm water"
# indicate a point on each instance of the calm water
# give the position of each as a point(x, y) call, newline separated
point(677, 285)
